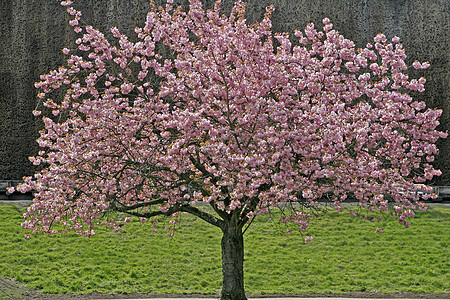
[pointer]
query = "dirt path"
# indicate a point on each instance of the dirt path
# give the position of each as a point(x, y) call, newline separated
point(10, 289)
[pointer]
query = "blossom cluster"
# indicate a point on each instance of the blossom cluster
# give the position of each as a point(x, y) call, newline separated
point(204, 108)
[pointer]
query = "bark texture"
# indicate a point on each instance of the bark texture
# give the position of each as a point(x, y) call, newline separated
point(233, 262)
point(33, 32)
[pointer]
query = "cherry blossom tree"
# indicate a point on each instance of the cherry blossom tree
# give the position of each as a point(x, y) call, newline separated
point(207, 115)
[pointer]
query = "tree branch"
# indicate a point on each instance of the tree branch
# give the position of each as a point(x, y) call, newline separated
point(203, 215)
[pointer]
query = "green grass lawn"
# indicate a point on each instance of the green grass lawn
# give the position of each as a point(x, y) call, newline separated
point(346, 255)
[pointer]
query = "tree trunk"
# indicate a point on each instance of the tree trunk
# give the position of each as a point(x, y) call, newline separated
point(233, 262)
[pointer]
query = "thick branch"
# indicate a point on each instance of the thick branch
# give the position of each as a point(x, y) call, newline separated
point(201, 168)
point(128, 208)
point(131, 209)
point(203, 215)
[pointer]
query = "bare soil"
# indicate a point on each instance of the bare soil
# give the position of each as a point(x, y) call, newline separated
point(9, 289)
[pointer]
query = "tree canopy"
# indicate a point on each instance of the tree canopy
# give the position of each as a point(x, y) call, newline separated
point(201, 107)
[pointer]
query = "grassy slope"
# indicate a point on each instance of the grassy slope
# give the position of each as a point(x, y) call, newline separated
point(346, 255)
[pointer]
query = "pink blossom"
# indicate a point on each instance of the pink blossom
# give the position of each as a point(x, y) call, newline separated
point(126, 88)
point(73, 22)
point(71, 11)
point(425, 65)
point(395, 39)
point(235, 116)
point(380, 38)
point(66, 3)
point(418, 65)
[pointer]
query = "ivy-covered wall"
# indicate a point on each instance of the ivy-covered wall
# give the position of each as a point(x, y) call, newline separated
point(32, 33)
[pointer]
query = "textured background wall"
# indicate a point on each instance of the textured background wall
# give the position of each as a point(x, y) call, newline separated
point(32, 32)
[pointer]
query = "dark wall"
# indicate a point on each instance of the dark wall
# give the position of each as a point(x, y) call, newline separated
point(32, 33)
